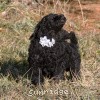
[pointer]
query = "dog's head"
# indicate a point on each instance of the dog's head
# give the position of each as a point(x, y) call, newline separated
point(50, 22)
point(53, 21)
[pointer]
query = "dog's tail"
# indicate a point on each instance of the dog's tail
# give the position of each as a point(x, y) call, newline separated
point(73, 38)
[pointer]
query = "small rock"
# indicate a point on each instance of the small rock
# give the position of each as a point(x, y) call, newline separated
point(4, 14)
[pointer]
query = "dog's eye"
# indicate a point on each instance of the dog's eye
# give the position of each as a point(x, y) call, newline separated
point(56, 18)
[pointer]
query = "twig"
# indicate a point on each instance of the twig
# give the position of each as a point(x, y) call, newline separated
point(81, 10)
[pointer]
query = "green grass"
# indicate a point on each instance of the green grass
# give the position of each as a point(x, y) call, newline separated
point(14, 43)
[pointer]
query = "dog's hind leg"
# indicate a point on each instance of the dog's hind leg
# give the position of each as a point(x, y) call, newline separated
point(75, 68)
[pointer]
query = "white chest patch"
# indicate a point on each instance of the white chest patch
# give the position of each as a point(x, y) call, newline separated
point(46, 42)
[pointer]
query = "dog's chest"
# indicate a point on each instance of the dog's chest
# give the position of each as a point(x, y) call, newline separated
point(47, 42)
point(51, 47)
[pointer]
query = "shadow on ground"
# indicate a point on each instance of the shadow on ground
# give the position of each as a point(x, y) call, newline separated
point(14, 69)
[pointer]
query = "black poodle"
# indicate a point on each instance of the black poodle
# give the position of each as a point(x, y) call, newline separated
point(50, 54)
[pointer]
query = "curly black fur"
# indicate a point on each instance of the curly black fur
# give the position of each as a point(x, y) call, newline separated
point(53, 61)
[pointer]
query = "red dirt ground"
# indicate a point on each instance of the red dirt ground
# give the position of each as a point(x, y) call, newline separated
point(91, 16)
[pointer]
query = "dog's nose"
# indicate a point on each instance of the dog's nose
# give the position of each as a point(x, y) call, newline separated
point(62, 17)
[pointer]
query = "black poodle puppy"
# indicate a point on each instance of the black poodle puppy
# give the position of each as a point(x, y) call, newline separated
point(50, 55)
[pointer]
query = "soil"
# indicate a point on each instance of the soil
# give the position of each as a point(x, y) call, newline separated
point(91, 15)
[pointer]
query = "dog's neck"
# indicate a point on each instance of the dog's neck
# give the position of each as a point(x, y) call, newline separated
point(49, 30)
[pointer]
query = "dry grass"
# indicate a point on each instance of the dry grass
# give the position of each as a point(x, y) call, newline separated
point(17, 22)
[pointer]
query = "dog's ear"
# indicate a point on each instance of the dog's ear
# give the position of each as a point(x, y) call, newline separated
point(35, 31)
point(38, 26)
point(31, 37)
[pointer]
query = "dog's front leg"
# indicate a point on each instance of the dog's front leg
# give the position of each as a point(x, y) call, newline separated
point(59, 73)
point(36, 76)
